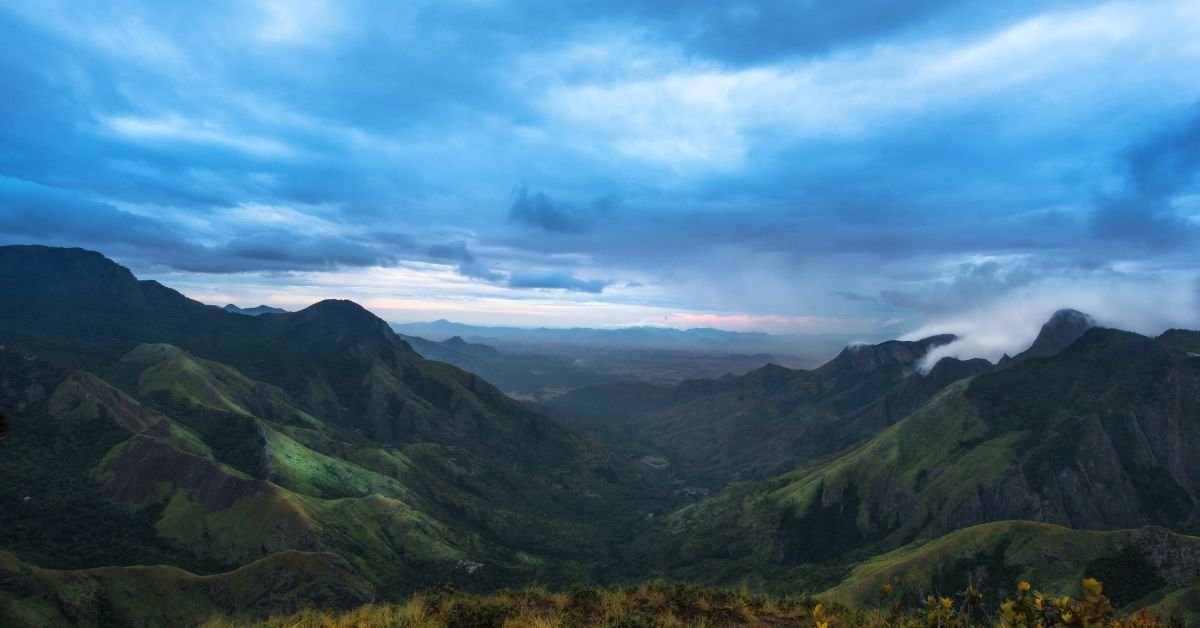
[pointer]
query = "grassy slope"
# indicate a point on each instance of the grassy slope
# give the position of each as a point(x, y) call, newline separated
point(406, 515)
point(766, 421)
point(164, 595)
point(994, 556)
point(365, 414)
point(311, 501)
point(1100, 437)
point(429, 483)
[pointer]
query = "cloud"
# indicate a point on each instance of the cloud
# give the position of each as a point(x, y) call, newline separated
point(556, 280)
point(34, 212)
point(536, 209)
point(1008, 321)
point(969, 283)
point(870, 162)
point(854, 296)
point(1157, 169)
point(287, 250)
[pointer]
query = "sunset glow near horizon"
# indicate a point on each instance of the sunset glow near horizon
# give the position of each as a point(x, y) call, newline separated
point(800, 168)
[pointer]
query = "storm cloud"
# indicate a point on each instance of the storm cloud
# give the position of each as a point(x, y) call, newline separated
point(871, 168)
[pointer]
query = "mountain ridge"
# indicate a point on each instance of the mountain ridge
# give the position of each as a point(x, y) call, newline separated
point(296, 425)
point(150, 428)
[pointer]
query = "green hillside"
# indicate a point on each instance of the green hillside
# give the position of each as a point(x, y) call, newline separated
point(317, 452)
point(1102, 436)
point(769, 420)
point(1138, 567)
point(223, 439)
point(167, 596)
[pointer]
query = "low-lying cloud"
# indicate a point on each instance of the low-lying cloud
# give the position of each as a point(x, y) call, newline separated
point(1008, 323)
point(560, 280)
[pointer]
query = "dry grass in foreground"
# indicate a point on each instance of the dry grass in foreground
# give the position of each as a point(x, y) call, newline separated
point(662, 605)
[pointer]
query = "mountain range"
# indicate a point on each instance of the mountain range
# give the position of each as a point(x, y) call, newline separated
point(167, 460)
point(253, 311)
point(807, 349)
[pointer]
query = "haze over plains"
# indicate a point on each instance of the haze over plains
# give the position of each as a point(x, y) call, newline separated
point(814, 169)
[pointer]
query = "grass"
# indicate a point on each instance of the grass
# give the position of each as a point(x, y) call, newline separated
point(161, 595)
point(309, 472)
point(642, 605)
point(678, 605)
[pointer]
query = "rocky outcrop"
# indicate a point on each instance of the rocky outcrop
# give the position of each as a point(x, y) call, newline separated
point(1175, 560)
point(863, 358)
point(1063, 328)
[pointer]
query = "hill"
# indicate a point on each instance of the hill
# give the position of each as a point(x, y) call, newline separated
point(1101, 436)
point(208, 440)
point(281, 583)
point(1138, 567)
point(638, 336)
point(253, 311)
point(269, 462)
point(768, 420)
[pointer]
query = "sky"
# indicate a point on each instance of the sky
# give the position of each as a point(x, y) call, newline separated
point(864, 170)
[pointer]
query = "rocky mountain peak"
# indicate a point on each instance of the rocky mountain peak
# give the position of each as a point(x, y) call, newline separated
point(1064, 327)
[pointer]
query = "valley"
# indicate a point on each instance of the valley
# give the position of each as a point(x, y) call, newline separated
point(247, 466)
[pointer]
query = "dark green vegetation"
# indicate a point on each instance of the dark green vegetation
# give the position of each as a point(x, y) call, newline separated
point(318, 446)
point(1102, 436)
point(528, 374)
point(283, 582)
point(769, 420)
point(542, 372)
point(149, 428)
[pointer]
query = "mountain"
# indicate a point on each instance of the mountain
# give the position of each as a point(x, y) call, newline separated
point(637, 337)
point(1105, 435)
point(517, 373)
point(538, 372)
point(628, 336)
point(149, 428)
point(768, 420)
point(167, 460)
point(1063, 328)
point(253, 311)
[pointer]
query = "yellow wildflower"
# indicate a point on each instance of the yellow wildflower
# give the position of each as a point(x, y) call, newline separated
point(1023, 586)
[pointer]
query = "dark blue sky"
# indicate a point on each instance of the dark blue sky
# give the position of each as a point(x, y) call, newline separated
point(864, 169)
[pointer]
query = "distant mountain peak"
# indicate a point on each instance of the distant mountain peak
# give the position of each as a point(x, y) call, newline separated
point(253, 311)
point(336, 305)
point(1064, 327)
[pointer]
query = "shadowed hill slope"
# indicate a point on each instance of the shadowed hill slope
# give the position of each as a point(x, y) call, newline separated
point(167, 596)
point(1101, 436)
point(223, 438)
point(768, 420)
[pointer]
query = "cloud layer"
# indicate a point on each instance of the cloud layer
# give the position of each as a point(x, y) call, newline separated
point(866, 169)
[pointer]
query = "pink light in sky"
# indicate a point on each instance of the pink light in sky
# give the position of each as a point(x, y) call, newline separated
point(760, 322)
